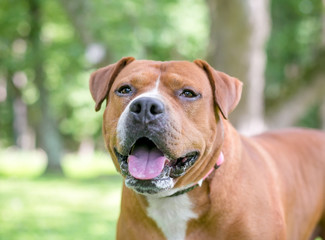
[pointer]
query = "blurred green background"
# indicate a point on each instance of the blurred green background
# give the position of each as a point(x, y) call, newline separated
point(56, 179)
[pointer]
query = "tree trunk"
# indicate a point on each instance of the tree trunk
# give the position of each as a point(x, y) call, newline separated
point(239, 31)
point(10, 98)
point(48, 135)
point(23, 135)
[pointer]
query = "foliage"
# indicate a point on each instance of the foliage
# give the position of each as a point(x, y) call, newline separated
point(293, 45)
point(152, 29)
point(59, 209)
point(145, 29)
point(171, 29)
point(311, 118)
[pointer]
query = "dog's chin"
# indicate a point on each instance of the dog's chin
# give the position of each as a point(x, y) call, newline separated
point(159, 184)
point(149, 187)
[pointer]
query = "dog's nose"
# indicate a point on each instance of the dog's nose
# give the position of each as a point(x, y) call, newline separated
point(146, 109)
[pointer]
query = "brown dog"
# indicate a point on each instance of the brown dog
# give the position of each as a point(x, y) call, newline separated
point(188, 173)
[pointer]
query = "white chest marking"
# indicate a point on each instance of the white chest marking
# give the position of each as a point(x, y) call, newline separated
point(171, 215)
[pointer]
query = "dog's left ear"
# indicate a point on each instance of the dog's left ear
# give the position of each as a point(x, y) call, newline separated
point(100, 81)
point(227, 90)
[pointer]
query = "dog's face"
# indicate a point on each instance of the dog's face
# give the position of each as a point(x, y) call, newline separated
point(161, 124)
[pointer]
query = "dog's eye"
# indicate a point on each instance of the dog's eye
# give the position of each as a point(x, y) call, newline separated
point(124, 90)
point(188, 93)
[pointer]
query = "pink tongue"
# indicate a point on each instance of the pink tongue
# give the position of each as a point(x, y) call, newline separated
point(146, 163)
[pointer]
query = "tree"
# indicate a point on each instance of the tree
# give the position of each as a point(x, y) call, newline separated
point(14, 124)
point(239, 31)
point(47, 130)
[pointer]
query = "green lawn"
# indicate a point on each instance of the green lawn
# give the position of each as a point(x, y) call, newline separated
point(57, 208)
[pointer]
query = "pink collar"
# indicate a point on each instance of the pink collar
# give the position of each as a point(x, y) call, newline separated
point(220, 160)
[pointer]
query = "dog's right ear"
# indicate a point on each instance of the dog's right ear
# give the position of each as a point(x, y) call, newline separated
point(100, 81)
point(227, 90)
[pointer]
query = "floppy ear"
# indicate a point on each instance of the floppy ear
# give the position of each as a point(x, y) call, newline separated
point(227, 90)
point(100, 81)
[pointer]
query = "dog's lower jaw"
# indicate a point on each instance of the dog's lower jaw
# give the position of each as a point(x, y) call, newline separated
point(149, 187)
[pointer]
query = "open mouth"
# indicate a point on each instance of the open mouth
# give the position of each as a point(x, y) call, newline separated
point(147, 162)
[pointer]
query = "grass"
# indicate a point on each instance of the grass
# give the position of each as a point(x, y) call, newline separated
point(21, 163)
point(53, 208)
point(31, 164)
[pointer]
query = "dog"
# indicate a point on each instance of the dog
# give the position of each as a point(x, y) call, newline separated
point(188, 174)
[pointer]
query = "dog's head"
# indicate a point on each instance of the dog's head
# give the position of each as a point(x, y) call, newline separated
point(162, 121)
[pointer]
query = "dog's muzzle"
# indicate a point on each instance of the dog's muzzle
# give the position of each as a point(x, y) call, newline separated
point(145, 158)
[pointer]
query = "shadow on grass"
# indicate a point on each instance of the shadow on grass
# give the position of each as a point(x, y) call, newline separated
point(52, 207)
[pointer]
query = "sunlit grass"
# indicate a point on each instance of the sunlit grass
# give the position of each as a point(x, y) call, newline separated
point(21, 163)
point(98, 164)
point(59, 208)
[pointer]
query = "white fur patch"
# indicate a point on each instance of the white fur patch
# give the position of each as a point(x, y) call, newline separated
point(171, 215)
point(122, 120)
point(157, 84)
